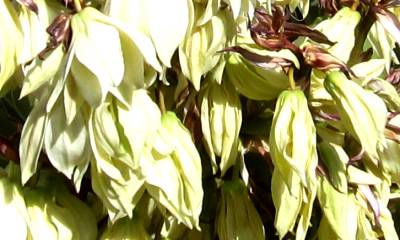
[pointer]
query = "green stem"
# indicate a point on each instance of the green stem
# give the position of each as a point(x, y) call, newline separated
point(236, 170)
point(355, 5)
point(161, 100)
point(292, 83)
point(78, 6)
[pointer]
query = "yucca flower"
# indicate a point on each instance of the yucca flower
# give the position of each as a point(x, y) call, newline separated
point(237, 218)
point(221, 119)
point(362, 113)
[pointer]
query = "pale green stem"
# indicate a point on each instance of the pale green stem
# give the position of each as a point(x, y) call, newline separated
point(291, 79)
point(161, 100)
point(77, 4)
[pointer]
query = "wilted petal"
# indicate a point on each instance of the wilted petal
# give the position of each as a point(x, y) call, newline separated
point(372, 201)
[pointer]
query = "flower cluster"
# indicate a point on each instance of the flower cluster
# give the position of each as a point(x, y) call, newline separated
point(199, 119)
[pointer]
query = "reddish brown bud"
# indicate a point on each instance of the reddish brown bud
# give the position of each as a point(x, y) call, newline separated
point(321, 59)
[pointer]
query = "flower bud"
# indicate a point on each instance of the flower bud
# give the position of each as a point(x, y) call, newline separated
point(255, 82)
point(84, 217)
point(114, 174)
point(173, 171)
point(221, 119)
point(293, 204)
point(140, 121)
point(389, 158)
point(287, 202)
point(362, 113)
point(125, 228)
point(382, 42)
point(293, 138)
point(237, 217)
point(293, 151)
point(40, 224)
point(198, 53)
